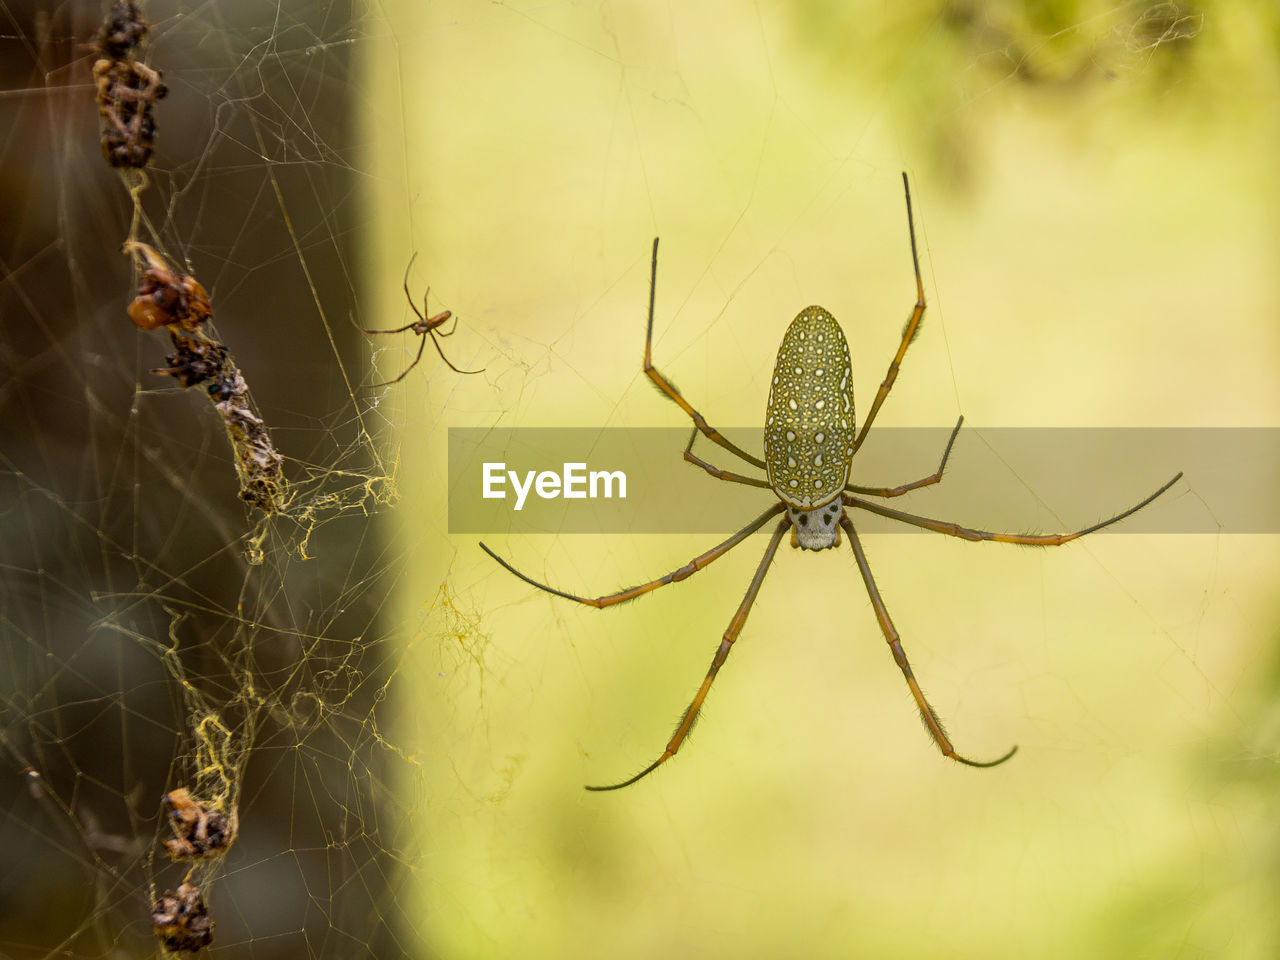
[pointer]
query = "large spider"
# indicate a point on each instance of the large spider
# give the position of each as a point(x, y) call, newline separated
point(809, 444)
point(424, 327)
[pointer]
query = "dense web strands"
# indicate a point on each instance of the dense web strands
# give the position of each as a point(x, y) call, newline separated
point(210, 612)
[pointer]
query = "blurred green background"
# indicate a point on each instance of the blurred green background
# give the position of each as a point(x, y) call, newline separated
point(1095, 196)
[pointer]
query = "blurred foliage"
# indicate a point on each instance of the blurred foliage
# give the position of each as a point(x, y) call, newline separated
point(950, 67)
point(1177, 910)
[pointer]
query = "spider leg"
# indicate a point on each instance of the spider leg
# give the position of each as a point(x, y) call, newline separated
point(423, 323)
point(927, 713)
point(716, 472)
point(432, 334)
point(407, 326)
point(667, 387)
point(387, 383)
point(427, 327)
point(722, 653)
point(412, 306)
point(675, 576)
point(438, 320)
point(908, 332)
point(915, 484)
point(966, 533)
point(409, 296)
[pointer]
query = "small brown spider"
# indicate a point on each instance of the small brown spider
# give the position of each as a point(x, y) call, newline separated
point(199, 832)
point(424, 327)
point(181, 920)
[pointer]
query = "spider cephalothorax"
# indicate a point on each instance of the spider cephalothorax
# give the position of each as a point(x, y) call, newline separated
point(809, 445)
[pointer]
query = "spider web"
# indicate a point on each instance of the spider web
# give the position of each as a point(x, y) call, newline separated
point(402, 727)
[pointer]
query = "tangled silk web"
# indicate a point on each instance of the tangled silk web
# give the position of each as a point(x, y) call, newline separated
point(190, 587)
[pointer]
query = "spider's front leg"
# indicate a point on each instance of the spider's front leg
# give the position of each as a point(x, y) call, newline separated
point(697, 461)
point(425, 326)
point(935, 477)
point(909, 330)
point(668, 388)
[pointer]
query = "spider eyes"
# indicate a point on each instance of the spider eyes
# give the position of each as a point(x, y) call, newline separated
point(828, 516)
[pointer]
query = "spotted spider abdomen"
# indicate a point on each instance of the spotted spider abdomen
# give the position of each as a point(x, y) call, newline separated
point(809, 421)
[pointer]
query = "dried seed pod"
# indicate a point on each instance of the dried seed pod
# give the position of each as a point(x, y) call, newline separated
point(181, 920)
point(122, 31)
point(199, 831)
point(176, 301)
point(165, 297)
point(127, 89)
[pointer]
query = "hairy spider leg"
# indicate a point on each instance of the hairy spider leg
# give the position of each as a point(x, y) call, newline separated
point(722, 654)
point(967, 533)
point(675, 576)
point(935, 477)
point(909, 331)
point(667, 387)
point(891, 636)
point(715, 471)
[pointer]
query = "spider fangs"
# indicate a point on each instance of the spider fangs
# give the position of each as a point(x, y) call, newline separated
point(809, 445)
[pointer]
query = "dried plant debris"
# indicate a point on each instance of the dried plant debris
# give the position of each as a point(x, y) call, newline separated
point(123, 31)
point(177, 302)
point(127, 89)
point(181, 920)
point(199, 832)
point(165, 297)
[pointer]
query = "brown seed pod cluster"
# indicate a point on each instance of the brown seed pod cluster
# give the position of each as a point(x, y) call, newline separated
point(177, 301)
point(165, 297)
point(181, 920)
point(127, 89)
point(199, 361)
point(199, 832)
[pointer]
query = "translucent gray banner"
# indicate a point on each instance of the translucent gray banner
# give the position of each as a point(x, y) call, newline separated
point(634, 480)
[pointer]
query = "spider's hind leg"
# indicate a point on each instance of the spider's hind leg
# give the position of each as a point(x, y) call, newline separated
point(931, 721)
point(690, 715)
point(675, 576)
